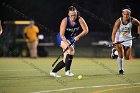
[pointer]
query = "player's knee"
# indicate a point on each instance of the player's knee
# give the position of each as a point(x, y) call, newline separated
point(120, 56)
point(72, 52)
point(127, 58)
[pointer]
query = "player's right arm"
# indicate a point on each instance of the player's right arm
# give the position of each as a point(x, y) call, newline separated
point(115, 28)
point(62, 31)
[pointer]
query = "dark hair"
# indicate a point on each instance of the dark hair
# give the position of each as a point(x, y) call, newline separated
point(126, 7)
point(72, 8)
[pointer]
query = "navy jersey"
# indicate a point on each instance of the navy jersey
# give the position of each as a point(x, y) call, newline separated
point(72, 29)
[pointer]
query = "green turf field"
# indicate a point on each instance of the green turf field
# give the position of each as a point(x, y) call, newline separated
point(100, 75)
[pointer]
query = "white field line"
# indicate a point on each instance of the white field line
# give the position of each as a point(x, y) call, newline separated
point(16, 70)
point(65, 89)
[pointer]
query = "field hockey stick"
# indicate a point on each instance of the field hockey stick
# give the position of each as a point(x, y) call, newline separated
point(112, 44)
point(62, 53)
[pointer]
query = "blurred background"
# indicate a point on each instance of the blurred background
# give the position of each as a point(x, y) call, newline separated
point(100, 16)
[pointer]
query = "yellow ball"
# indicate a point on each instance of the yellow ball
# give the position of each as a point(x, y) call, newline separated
point(80, 77)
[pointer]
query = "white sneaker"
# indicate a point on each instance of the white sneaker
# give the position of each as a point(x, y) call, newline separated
point(54, 74)
point(68, 73)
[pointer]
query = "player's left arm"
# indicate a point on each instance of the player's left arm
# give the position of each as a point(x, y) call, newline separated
point(84, 28)
point(137, 23)
point(0, 28)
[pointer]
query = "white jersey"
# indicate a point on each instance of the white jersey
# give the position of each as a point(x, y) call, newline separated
point(124, 32)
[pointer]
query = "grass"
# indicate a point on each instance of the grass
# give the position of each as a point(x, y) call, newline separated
point(100, 75)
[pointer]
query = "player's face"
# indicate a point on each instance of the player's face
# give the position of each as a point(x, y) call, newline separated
point(126, 14)
point(72, 15)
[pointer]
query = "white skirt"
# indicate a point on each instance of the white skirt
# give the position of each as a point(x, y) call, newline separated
point(127, 43)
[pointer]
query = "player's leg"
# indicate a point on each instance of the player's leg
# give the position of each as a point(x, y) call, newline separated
point(58, 67)
point(66, 62)
point(114, 53)
point(120, 59)
point(68, 57)
point(60, 64)
point(127, 52)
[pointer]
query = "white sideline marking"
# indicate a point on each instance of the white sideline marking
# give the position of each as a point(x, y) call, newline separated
point(17, 70)
point(64, 89)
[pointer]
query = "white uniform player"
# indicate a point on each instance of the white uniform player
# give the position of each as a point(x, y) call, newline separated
point(122, 32)
point(125, 32)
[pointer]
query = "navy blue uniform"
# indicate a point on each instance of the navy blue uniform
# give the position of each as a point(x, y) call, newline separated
point(70, 31)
